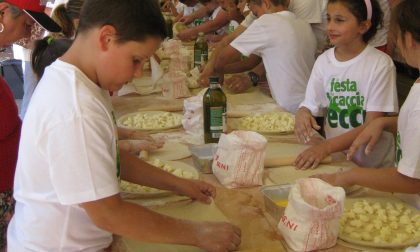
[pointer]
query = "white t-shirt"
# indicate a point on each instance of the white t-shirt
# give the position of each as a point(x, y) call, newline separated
point(180, 7)
point(67, 156)
point(381, 36)
point(287, 47)
point(344, 91)
point(248, 20)
point(189, 10)
point(408, 138)
point(222, 30)
point(313, 12)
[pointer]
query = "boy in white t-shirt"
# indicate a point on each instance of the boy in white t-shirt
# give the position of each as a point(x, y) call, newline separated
point(67, 178)
point(406, 177)
point(288, 60)
point(351, 84)
point(312, 12)
point(216, 23)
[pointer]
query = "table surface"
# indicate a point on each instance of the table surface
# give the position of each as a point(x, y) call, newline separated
point(245, 206)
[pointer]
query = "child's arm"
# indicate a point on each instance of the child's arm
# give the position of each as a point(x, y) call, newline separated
point(209, 26)
point(137, 222)
point(383, 179)
point(209, 67)
point(371, 134)
point(311, 157)
point(242, 66)
point(137, 171)
point(230, 54)
point(202, 12)
point(304, 125)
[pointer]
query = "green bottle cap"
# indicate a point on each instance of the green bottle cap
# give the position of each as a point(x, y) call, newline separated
point(214, 79)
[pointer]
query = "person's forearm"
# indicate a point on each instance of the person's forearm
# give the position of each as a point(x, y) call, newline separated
point(344, 141)
point(382, 179)
point(235, 67)
point(202, 12)
point(219, 48)
point(260, 70)
point(390, 123)
point(138, 171)
point(210, 26)
point(139, 223)
point(124, 133)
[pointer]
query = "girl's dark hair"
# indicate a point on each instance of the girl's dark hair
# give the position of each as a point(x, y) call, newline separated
point(134, 20)
point(64, 15)
point(46, 51)
point(359, 10)
point(406, 18)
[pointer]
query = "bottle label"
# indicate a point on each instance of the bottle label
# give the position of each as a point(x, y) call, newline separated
point(197, 58)
point(216, 119)
point(204, 58)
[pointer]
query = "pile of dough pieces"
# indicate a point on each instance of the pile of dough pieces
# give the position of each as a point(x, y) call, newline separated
point(152, 120)
point(386, 223)
point(134, 188)
point(270, 122)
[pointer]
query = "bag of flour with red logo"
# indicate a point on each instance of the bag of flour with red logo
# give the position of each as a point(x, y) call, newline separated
point(311, 219)
point(239, 159)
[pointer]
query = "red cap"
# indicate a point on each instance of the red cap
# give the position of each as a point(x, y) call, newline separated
point(35, 9)
point(30, 5)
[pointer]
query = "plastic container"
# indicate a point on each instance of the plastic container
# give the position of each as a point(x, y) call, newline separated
point(202, 156)
point(276, 199)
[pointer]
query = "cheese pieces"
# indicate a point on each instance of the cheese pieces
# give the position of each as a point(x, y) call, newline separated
point(380, 224)
point(151, 120)
point(269, 123)
point(179, 172)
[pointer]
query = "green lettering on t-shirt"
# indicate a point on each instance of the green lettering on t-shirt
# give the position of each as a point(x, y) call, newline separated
point(118, 148)
point(398, 150)
point(345, 109)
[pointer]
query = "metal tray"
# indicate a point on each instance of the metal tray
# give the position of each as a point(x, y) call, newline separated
point(202, 156)
point(272, 196)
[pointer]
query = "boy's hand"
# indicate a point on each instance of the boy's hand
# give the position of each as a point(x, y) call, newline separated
point(187, 35)
point(304, 125)
point(197, 190)
point(312, 156)
point(135, 146)
point(218, 236)
point(369, 137)
point(335, 179)
point(238, 83)
point(186, 20)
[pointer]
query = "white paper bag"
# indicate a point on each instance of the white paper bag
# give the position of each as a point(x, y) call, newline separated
point(175, 85)
point(239, 159)
point(311, 219)
point(157, 71)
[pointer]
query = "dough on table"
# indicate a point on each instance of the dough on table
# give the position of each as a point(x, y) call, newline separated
point(171, 151)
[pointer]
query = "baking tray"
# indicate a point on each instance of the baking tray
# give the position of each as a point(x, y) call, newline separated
point(275, 199)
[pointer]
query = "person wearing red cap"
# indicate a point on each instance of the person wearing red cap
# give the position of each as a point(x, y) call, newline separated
point(16, 20)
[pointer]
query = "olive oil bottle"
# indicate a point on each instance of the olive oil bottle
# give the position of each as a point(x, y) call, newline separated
point(214, 112)
point(201, 51)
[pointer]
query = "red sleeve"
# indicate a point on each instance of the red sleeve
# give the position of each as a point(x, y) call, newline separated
point(9, 136)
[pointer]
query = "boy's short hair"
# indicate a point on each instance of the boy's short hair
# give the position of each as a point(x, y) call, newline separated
point(134, 20)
